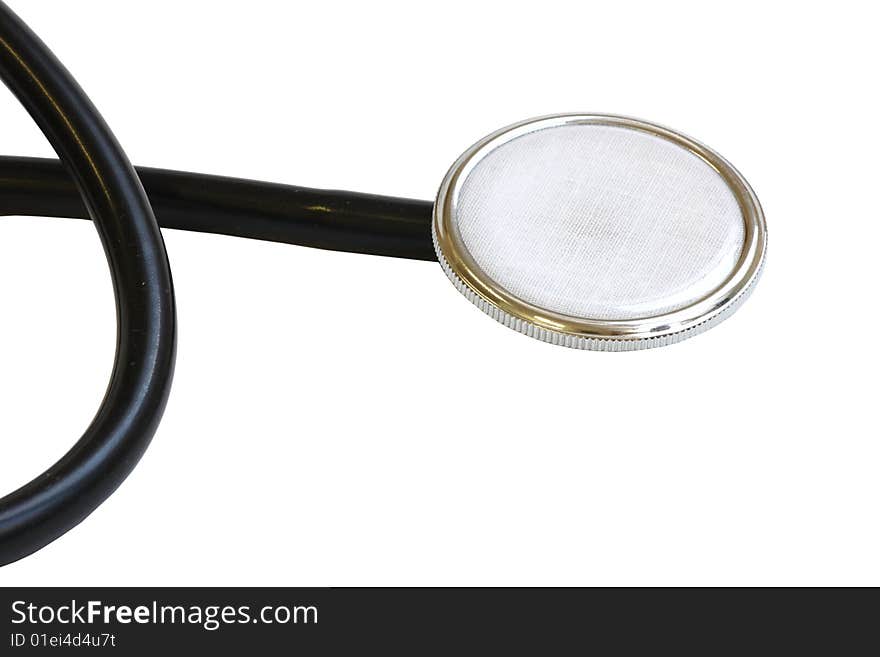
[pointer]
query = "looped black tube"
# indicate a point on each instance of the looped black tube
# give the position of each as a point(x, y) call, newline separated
point(95, 180)
point(70, 490)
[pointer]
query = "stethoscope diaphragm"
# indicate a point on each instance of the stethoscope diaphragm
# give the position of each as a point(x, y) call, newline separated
point(599, 232)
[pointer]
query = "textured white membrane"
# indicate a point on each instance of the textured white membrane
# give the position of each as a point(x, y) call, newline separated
point(600, 222)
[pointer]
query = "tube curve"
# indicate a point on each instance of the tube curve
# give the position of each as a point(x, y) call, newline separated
point(96, 465)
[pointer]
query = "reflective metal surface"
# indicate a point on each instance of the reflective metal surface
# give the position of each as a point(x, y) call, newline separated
point(584, 332)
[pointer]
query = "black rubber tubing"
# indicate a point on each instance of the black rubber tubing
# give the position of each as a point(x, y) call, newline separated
point(341, 221)
point(95, 180)
point(70, 490)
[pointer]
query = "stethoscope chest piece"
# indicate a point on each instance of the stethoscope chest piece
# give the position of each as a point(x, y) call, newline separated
point(599, 232)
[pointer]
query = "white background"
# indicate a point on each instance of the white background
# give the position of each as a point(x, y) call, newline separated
point(342, 419)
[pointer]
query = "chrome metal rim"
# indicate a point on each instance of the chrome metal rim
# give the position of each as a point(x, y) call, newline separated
point(585, 333)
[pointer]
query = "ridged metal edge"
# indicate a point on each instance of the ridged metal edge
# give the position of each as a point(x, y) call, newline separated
point(595, 344)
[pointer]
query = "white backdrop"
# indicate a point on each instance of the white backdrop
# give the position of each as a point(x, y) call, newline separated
point(341, 419)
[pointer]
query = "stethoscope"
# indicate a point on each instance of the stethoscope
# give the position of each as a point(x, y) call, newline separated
point(588, 231)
